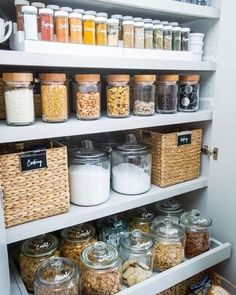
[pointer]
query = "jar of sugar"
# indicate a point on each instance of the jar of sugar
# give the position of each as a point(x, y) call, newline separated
point(131, 167)
point(89, 175)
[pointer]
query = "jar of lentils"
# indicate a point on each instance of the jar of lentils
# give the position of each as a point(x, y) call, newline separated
point(189, 93)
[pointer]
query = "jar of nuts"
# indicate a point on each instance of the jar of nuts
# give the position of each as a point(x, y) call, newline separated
point(33, 252)
point(101, 271)
point(118, 98)
point(198, 232)
point(57, 276)
point(169, 246)
point(88, 97)
point(142, 219)
point(75, 239)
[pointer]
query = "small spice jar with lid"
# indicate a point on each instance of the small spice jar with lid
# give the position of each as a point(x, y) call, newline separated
point(136, 250)
point(34, 251)
point(185, 39)
point(76, 27)
point(30, 22)
point(176, 38)
point(46, 24)
point(19, 98)
point(157, 35)
point(138, 33)
point(144, 95)
point(198, 232)
point(57, 275)
point(113, 32)
point(189, 93)
point(19, 15)
point(101, 271)
point(128, 32)
point(62, 26)
point(89, 27)
point(101, 28)
point(167, 37)
point(54, 97)
point(38, 5)
point(148, 33)
point(54, 9)
point(141, 219)
point(119, 17)
point(167, 94)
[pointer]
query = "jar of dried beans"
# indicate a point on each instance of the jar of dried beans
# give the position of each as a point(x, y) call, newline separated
point(101, 28)
point(89, 28)
point(128, 32)
point(119, 17)
point(46, 24)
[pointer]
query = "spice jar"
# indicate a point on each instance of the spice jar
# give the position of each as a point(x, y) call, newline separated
point(57, 276)
point(89, 28)
point(120, 19)
point(131, 167)
point(75, 239)
point(113, 32)
point(89, 175)
point(141, 219)
point(76, 28)
point(138, 33)
point(157, 35)
point(62, 26)
point(38, 5)
point(30, 22)
point(128, 32)
point(34, 251)
point(176, 38)
point(169, 245)
point(19, 16)
point(185, 36)
point(167, 94)
point(148, 33)
point(144, 95)
point(54, 9)
point(101, 272)
point(189, 93)
point(88, 97)
point(118, 96)
point(46, 24)
point(54, 97)
point(198, 232)
point(101, 28)
point(19, 98)
point(167, 38)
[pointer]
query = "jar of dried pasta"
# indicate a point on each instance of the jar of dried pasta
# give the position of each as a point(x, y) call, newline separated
point(128, 32)
point(89, 27)
point(141, 219)
point(54, 97)
point(101, 28)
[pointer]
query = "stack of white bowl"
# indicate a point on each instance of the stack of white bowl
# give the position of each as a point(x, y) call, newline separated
point(196, 45)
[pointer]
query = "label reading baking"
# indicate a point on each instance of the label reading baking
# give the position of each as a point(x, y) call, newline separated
point(184, 138)
point(33, 161)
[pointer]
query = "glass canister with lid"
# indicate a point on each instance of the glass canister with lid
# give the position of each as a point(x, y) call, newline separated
point(101, 271)
point(34, 251)
point(89, 175)
point(30, 22)
point(131, 167)
point(198, 232)
point(141, 219)
point(76, 27)
point(62, 26)
point(46, 24)
point(136, 250)
point(169, 244)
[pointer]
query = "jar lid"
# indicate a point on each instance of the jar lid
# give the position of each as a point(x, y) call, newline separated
point(91, 12)
point(118, 78)
point(87, 78)
point(127, 17)
point(113, 21)
point(39, 246)
point(189, 78)
point(17, 77)
point(185, 29)
point(171, 206)
point(61, 13)
point(102, 14)
point(132, 146)
point(156, 22)
point(29, 9)
point(117, 16)
point(136, 241)
point(53, 7)
point(21, 2)
point(138, 19)
point(100, 255)
point(175, 29)
point(45, 11)
point(114, 222)
point(143, 214)
point(166, 78)
point(38, 4)
point(75, 15)
point(78, 233)
point(174, 24)
point(78, 10)
point(144, 78)
point(164, 23)
point(194, 219)
point(147, 20)
point(67, 9)
point(53, 77)
point(167, 28)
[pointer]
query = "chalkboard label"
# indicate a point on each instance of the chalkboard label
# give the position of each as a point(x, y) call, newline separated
point(33, 161)
point(184, 138)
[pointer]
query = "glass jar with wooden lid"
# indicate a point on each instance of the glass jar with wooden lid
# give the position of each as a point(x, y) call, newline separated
point(189, 93)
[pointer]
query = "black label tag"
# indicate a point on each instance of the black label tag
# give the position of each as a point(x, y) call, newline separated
point(184, 138)
point(33, 161)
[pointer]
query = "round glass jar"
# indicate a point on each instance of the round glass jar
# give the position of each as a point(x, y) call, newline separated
point(75, 239)
point(89, 175)
point(19, 98)
point(88, 97)
point(198, 232)
point(148, 33)
point(136, 250)
point(128, 32)
point(169, 245)
point(113, 32)
point(144, 95)
point(118, 96)
point(34, 251)
point(57, 276)
point(167, 94)
point(101, 28)
point(141, 219)
point(101, 271)
point(89, 27)
point(131, 167)
point(138, 33)
point(167, 38)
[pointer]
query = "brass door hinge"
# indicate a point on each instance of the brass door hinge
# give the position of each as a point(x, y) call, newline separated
point(211, 153)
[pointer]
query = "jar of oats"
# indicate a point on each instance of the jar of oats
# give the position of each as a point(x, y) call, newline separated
point(54, 97)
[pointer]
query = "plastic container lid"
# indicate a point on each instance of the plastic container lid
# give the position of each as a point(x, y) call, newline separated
point(195, 220)
point(17, 77)
point(168, 27)
point(164, 23)
point(53, 7)
point(171, 207)
point(174, 24)
point(118, 78)
point(87, 78)
point(45, 11)
point(166, 78)
point(29, 9)
point(197, 35)
point(113, 21)
point(38, 4)
point(156, 21)
point(75, 15)
point(144, 78)
point(131, 146)
point(78, 10)
point(189, 78)
point(185, 29)
point(91, 12)
point(21, 2)
point(147, 20)
point(61, 13)
point(138, 19)
point(53, 77)
point(117, 16)
point(136, 241)
point(175, 29)
point(67, 9)
point(78, 233)
point(143, 214)
point(102, 14)
point(127, 17)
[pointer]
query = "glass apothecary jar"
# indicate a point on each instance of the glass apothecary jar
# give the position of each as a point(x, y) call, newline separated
point(131, 167)
point(89, 175)
point(34, 251)
point(136, 250)
point(144, 95)
point(46, 24)
point(89, 27)
point(88, 97)
point(189, 93)
point(113, 32)
point(19, 98)
point(198, 232)
point(101, 28)
point(169, 244)
point(167, 94)
point(128, 32)
point(57, 275)
point(101, 271)
point(138, 33)
point(141, 219)
point(118, 96)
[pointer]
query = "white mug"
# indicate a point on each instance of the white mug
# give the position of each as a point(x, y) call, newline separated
point(3, 26)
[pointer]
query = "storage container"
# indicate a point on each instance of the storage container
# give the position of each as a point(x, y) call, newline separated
point(141, 219)
point(196, 37)
point(120, 19)
point(185, 39)
point(66, 9)
point(169, 208)
point(167, 37)
point(79, 10)
point(101, 28)
point(54, 9)
point(30, 22)
point(62, 26)
point(46, 24)
point(138, 33)
point(157, 35)
point(113, 32)
point(128, 32)
point(38, 5)
point(19, 15)
point(76, 28)
point(189, 93)
point(176, 38)
point(89, 27)
point(196, 46)
point(148, 33)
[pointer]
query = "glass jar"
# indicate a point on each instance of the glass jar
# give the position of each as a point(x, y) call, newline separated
point(136, 250)
point(189, 93)
point(148, 33)
point(167, 94)
point(57, 276)
point(101, 271)
point(157, 36)
point(19, 98)
point(119, 17)
point(76, 28)
point(198, 232)
point(54, 9)
point(131, 167)
point(34, 251)
point(38, 5)
point(144, 95)
point(30, 22)
point(118, 104)
point(128, 32)
point(46, 24)
point(141, 219)
point(54, 97)
point(185, 39)
point(167, 38)
point(88, 97)
point(75, 239)
point(169, 244)
point(62, 26)
point(101, 28)
point(138, 33)
point(176, 38)
point(19, 16)
point(113, 32)
point(37, 98)
point(89, 175)
point(89, 27)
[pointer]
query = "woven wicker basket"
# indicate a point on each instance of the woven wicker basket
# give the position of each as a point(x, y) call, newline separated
point(173, 163)
point(34, 194)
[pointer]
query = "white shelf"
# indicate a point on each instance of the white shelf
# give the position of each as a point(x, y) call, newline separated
point(73, 127)
point(116, 203)
point(17, 285)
